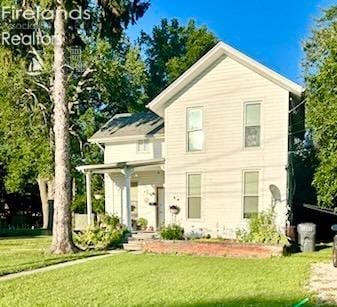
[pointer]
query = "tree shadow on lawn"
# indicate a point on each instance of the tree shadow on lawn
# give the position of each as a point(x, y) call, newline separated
point(250, 302)
point(323, 246)
point(23, 233)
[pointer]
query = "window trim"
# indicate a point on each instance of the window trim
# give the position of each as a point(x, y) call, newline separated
point(244, 112)
point(259, 195)
point(143, 142)
point(201, 196)
point(187, 131)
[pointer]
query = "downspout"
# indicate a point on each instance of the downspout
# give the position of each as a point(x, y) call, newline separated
point(290, 168)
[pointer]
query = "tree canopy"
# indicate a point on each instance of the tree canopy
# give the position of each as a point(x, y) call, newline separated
point(171, 49)
point(320, 71)
point(116, 78)
point(110, 80)
point(24, 149)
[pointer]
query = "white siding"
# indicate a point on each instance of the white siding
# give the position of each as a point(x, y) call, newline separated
point(127, 151)
point(222, 91)
point(147, 183)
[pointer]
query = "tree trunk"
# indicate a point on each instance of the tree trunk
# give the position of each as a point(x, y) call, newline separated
point(44, 201)
point(51, 188)
point(62, 231)
point(73, 189)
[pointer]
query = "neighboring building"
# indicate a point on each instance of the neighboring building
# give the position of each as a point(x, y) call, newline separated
point(225, 143)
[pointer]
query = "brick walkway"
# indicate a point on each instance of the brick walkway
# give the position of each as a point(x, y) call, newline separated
point(58, 266)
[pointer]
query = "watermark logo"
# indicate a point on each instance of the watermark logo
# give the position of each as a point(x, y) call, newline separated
point(33, 39)
point(76, 59)
point(12, 13)
point(27, 20)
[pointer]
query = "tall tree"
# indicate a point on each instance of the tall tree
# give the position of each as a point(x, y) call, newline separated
point(320, 71)
point(62, 232)
point(114, 16)
point(31, 131)
point(110, 80)
point(171, 49)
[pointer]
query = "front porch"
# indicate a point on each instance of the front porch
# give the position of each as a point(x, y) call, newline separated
point(132, 190)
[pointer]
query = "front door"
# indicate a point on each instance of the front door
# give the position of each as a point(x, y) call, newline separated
point(160, 207)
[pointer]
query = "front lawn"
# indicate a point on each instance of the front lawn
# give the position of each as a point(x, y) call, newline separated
point(19, 254)
point(167, 280)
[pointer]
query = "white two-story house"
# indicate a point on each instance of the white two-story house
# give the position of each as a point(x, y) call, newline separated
point(212, 144)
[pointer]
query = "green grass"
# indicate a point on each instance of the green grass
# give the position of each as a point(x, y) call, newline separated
point(168, 280)
point(22, 253)
point(23, 232)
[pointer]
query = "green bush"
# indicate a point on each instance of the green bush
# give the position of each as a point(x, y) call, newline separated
point(98, 205)
point(111, 220)
point(79, 204)
point(262, 229)
point(108, 232)
point(172, 232)
point(142, 223)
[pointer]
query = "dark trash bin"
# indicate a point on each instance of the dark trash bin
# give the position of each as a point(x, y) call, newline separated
point(306, 237)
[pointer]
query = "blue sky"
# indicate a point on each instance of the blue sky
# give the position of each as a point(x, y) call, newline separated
point(270, 31)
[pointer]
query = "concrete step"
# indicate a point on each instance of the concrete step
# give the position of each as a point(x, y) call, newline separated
point(133, 246)
point(139, 239)
point(144, 235)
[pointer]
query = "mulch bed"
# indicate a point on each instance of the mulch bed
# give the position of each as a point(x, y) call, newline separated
point(221, 249)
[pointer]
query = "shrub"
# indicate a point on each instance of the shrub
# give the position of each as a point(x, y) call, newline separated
point(106, 233)
point(98, 205)
point(111, 220)
point(142, 223)
point(262, 229)
point(172, 232)
point(79, 204)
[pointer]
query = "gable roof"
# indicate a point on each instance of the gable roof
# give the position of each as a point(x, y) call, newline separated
point(137, 125)
point(158, 104)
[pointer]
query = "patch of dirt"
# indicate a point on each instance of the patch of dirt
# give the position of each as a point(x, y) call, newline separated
point(323, 281)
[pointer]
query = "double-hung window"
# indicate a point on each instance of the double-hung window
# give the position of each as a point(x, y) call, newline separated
point(250, 193)
point(195, 133)
point(252, 124)
point(194, 196)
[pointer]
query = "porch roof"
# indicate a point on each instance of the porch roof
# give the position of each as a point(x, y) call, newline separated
point(137, 125)
point(108, 167)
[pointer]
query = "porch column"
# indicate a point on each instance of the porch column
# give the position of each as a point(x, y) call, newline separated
point(127, 171)
point(89, 199)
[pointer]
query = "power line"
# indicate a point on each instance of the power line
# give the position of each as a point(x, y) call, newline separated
point(294, 108)
point(303, 101)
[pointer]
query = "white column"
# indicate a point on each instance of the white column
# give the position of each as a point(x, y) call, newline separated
point(127, 171)
point(89, 199)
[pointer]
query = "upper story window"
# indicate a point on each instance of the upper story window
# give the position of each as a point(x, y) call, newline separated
point(252, 124)
point(250, 193)
point(195, 133)
point(143, 146)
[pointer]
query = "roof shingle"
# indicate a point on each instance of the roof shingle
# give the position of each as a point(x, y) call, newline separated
point(121, 125)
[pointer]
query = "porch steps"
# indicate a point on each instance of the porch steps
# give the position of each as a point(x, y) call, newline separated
point(141, 236)
point(135, 242)
point(136, 246)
